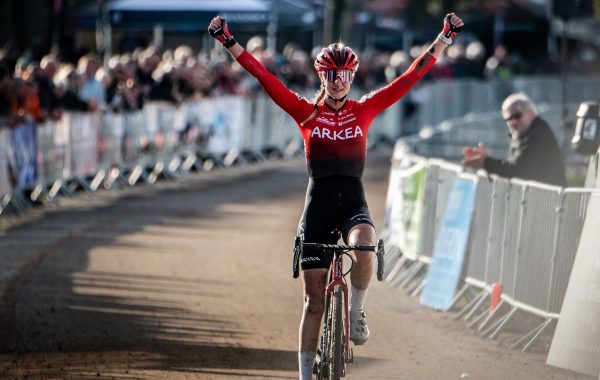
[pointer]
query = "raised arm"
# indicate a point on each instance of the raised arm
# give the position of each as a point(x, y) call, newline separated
point(298, 107)
point(388, 95)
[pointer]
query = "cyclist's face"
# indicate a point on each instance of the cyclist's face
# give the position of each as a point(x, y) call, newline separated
point(337, 82)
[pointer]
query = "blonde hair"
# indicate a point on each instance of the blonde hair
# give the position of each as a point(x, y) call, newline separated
point(318, 96)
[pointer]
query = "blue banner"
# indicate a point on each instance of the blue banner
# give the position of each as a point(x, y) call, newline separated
point(25, 155)
point(450, 247)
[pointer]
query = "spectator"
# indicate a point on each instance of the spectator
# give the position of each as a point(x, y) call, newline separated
point(475, 54)
point(457, 60)
point(534, 153)
point(295, 69)
point(46, 88)
point(91, 89)
point(399, 62)
point(500, 65)
point(68, 84)
point(182, 54)
point(25, 104)
point(148, 61)
point(165, 77)
point(184, 85)
point(6, 89)
point(122, 93)
point(586, 60)
point(226, 80)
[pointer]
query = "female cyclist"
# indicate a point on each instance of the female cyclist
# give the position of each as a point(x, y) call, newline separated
point(335, 131)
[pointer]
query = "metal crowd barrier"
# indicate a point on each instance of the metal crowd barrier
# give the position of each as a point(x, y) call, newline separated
point(113, 150)
point(439, 179)
point(523, 237)
point(448, 139)
point(441, 100)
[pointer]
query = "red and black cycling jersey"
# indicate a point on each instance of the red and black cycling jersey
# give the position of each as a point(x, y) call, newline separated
point(335, 142)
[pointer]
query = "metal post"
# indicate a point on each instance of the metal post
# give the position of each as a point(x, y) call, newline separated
point(158, 35)
point(563, 83)
point(328, 10)
point(103, 31)
point(272, 31)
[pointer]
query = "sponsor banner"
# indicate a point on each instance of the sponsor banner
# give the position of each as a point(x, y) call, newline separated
point(45, 142)
point(450, 247)
point(110, 138)
point(576, 342)
point(5, 183)
point(84, 143)
point(151, 111)
point(222, 120)
point(52, 145)
point(393, 186)
point(180, 117)
point(62, 146)
point(24, 155)
point(406, 213)
point(168, 135)
point(135, 137)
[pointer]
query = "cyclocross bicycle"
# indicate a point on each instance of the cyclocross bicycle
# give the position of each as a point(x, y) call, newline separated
point(334, 350)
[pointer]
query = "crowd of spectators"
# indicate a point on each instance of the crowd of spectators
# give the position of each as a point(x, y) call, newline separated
point(44, 89)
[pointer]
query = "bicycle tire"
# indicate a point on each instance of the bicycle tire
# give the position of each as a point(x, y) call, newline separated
point(336, 344)
point(380, 260)
point(296, 257)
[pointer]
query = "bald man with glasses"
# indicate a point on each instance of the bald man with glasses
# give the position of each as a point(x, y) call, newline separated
point(534, 153)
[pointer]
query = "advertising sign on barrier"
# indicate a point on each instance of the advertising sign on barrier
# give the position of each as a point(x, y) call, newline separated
point(450, 247)
point(84, 143)
point(576, 342)
point(406, 214)
point(25, 155)
point(393, 186)
point(222, 121)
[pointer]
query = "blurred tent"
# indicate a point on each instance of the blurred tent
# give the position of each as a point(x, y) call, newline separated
point(576, 19)
point(174, 15)
point(192, 16)
point(184, 15)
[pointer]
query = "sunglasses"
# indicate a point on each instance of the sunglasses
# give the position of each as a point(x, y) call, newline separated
point(514, 116)
point(345, 75)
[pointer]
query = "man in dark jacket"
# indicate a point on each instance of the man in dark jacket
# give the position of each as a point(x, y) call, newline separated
point(534, 153)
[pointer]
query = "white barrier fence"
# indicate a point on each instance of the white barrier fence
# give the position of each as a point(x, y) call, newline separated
point(522, 242)
point(90, 150)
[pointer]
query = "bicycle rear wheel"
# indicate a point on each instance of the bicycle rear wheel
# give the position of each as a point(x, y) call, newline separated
point(336, 339)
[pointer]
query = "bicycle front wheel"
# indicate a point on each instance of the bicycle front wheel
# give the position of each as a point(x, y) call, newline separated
point(336, 339)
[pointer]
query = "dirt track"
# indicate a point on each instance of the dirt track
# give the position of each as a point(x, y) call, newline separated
point(192, 281)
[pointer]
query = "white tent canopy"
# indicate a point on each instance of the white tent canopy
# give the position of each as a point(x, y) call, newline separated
point(189, 5)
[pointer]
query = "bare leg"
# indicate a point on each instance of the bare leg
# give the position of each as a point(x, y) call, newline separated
point(314, 297)
point(362, 234)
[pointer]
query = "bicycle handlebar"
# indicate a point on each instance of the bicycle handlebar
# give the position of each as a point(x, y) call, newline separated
point(300, 246)
point(337, 247)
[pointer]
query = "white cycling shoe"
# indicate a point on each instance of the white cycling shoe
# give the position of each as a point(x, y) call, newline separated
point(359, 332)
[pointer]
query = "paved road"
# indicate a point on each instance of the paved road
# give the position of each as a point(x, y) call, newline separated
point(192, 281)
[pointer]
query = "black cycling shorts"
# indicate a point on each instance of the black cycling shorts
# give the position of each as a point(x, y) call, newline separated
point(333, 206)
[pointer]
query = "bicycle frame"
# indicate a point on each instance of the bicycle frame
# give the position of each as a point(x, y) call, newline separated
point(336, 275)
point(336, 278)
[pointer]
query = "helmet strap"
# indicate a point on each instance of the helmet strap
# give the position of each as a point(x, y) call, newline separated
point(337, 100)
